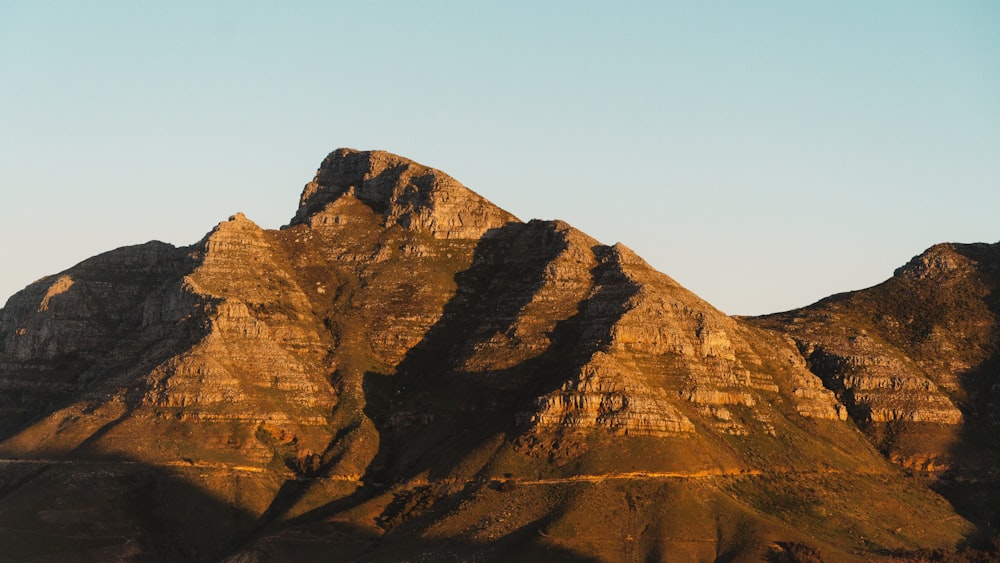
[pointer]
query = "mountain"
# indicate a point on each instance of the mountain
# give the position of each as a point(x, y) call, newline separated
point(407, 371)
point(915, 360)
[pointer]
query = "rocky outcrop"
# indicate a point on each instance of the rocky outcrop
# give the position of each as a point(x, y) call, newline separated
point(880, 385)
point(661, 346)
point(87, 331)
point(914, 358)
point(610, 394)
point(406, 193)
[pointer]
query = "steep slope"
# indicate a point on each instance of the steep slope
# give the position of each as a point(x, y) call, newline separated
point(407, 369)
point(915, 360)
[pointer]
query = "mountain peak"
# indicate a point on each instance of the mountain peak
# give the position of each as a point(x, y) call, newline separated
point(950, 259)
point(405, 192)
point(938, 260)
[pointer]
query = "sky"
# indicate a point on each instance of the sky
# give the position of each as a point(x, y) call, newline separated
point(763, 154)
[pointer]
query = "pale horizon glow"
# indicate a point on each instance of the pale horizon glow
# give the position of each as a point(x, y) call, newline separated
point(764, 155)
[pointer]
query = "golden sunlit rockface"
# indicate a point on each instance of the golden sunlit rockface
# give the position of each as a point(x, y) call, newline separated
point(407, 371)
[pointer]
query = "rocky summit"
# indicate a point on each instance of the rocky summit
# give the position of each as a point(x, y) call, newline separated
point(408, 372)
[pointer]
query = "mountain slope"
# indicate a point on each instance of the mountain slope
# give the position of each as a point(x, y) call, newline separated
point(915, 360)
point(407, 369)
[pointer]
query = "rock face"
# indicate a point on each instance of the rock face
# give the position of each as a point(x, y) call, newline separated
point(914, 359)
point(406, 368)
point(404, 192)
point(662, 347)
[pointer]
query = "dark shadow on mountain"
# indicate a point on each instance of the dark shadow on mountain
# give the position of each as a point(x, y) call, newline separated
point(426, 408)
point(435, 414)
point(113, 509)
point(332, 541)
point(973, 485)
point(401, 533)
point(432, 414)
point(439, 412)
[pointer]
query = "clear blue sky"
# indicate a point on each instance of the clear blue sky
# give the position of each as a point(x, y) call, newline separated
point(764, 154)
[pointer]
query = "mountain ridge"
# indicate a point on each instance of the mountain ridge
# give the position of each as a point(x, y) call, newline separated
point(407, 368)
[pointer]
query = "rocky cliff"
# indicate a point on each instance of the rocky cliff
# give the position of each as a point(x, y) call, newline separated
point(407, 369)
point(917, 351)
point(915, 361)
